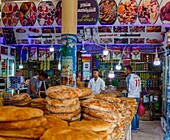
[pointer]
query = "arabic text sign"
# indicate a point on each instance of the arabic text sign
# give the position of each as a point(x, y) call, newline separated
point(88, 12)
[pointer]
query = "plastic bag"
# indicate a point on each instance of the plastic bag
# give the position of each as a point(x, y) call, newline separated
point(141, 109)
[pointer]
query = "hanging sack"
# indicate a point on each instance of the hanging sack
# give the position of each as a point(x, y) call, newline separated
point(141, 109)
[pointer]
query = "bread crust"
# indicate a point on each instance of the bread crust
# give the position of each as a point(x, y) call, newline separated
point(98, 105)
point(12, 113)
point(65, 116)
point(37, 122)
point(67, 109)
point(62, 103)
point(69, 133)
point(61, 92)
point(24, 133)
point(84, 92)
point(53, 121)
point(106, 116)
point(93, 125)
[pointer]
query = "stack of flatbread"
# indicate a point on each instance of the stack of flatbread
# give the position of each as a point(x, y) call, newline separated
point(131, 108)
point(21, 100)
point(116, 102)
point(105, 129)
point(21, 123)
point(39, 103)
point(125, 106)
point(70, 133)
point(98, 109)
point(63, 102)
point(85, 93)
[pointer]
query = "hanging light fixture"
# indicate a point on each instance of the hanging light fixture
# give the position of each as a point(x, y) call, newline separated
point(83, 48)
point(105, 51)
point(51, 48)
point(111, 74)
point(21, 65)
point(157, 61)
point(118, 66)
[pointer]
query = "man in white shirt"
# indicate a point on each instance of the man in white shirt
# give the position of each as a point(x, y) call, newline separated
point(133, 83)
point(96, 84)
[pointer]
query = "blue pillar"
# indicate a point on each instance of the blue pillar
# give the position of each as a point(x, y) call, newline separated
point(68, 59)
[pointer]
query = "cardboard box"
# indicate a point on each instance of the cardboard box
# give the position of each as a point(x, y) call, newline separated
point(146, 116)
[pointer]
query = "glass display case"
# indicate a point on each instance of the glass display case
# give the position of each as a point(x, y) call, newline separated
point(7, 65)
point(166, 84)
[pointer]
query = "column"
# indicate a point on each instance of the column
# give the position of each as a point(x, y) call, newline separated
point(69, 40)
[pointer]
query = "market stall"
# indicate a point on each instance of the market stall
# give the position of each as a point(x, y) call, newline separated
point(105, 34)
point(104, 115)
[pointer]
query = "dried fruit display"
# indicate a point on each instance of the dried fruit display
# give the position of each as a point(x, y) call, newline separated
point(148, 11)
point(28, 14)
point(137, 28)
point(46, 13)
point(58, 13)
point(10, 14)
point(108, 12)
point(153, 29)
point(165, 12)
point(127, 11)
point(137, 40)
point(119, 29)
point(153, 41)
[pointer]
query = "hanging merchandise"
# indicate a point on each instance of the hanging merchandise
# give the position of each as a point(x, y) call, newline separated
point(116, 53)
point(126, 54)
point(41, 65)
point(48, 65)
point(135, 53)
point(4, 50)
point(126, 57)
point(33, 53)
point(106, 57)
point(42, 54)
point(50, 55)
point(45, 65)
point(24, 53)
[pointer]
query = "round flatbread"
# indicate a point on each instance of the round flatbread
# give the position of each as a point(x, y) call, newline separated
point(61, 92)
point(65, 116)
point(24, 133)
point(98, 105)
point(84, 92)
point(20, 97)
point(14, 138)
point(69, 133)
point(62, 103)
point(105, 116)
point(39, 101)
point(12, 113)
point(67, 109)
point(37, 122)
point(53, 121)
point(93, 125)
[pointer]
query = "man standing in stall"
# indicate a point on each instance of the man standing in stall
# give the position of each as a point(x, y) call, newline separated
point(133, 83)
point(35, 83)
point(96, 84)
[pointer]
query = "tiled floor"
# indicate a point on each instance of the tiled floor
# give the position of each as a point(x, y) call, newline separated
point(149, 130)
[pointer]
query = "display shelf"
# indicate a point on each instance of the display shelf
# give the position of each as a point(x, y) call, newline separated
point(141, 71)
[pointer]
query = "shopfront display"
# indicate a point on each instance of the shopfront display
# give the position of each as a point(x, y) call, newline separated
point(68, 40)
